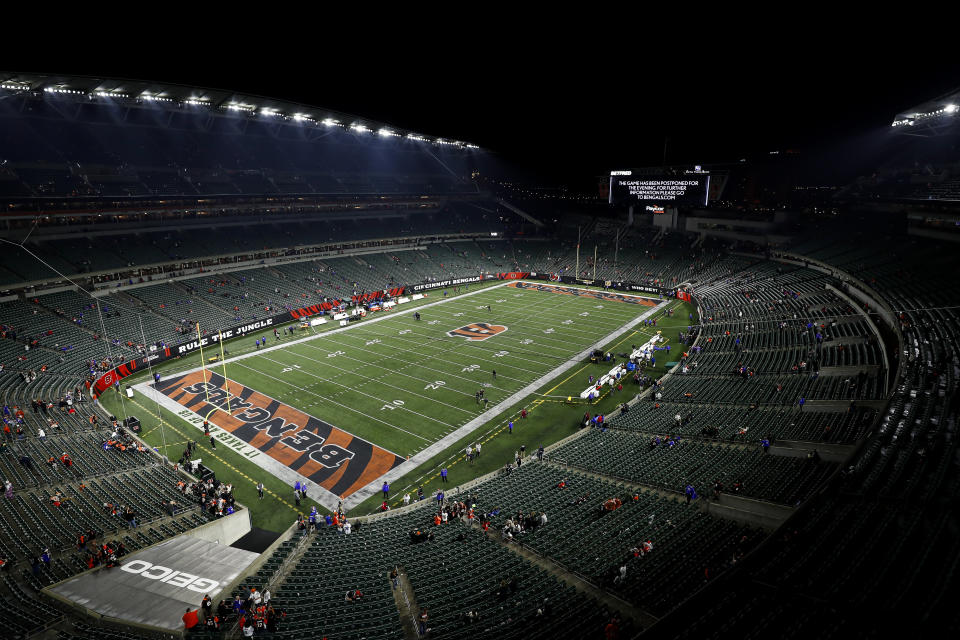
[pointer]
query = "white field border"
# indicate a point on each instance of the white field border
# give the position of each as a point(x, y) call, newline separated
point(327, 498)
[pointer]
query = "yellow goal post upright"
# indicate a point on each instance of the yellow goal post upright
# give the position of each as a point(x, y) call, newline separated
point(203, 367)
point(203, 364)
point(223, 362)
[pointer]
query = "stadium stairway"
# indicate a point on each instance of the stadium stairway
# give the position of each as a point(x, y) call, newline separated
point(141, 307)
point(611, 601)
point(406, 601)
point(200, 295)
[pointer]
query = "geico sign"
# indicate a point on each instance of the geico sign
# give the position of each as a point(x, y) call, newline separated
point(170, 576)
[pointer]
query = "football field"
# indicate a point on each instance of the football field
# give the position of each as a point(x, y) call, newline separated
point(347, 407)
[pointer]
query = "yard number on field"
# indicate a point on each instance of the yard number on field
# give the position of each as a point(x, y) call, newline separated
point(290, 368)
point(470, 367)
point(436, 384)
point(335, 354)
point(500, 354)
point(396, 404)
point(374, 341)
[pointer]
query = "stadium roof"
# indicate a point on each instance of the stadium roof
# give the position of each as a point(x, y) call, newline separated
point(175, 96)
point(931, 118)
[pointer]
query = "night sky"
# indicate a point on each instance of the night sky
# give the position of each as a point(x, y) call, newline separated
point(572, 106)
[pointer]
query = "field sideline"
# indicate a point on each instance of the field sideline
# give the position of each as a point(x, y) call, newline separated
point(409, 387)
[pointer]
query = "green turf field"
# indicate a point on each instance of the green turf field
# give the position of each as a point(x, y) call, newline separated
point(406, 385)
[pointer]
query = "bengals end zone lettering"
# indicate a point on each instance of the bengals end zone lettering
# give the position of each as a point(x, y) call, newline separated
point(330, 457)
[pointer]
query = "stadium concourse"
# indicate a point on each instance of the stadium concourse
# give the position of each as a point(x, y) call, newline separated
point(777, 452)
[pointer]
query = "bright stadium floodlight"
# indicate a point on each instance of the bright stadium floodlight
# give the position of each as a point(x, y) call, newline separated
point(386, 133)
point(359, 128)
point(330, 122)
point(155, 98)
point(951, 108)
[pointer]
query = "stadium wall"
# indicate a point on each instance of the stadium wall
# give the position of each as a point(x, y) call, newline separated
point(225, 530)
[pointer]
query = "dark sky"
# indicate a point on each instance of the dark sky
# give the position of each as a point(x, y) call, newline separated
point(570, 103)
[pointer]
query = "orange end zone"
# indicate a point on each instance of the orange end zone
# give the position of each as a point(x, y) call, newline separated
point(586, 293)
point(330, 457)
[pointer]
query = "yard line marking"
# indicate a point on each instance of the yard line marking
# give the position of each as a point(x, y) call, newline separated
point(418, 353)
point(440, 445)
point(328, 399)
point(380, 381)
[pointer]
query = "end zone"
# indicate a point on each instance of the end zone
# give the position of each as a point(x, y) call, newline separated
point(337, 462)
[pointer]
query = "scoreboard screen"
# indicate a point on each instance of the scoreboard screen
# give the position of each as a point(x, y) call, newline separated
point(691, 189)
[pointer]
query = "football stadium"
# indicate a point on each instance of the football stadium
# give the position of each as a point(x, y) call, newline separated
point(272, 369)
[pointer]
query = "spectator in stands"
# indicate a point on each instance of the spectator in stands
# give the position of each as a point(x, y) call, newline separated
point(422, 621)
point(8, 490)
point(190, 618)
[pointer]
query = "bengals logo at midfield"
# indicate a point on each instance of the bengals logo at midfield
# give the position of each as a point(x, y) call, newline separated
point(477, 331)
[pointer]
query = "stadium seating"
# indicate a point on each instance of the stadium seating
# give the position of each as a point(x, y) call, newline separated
point(876, 532)
point(441, 574)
